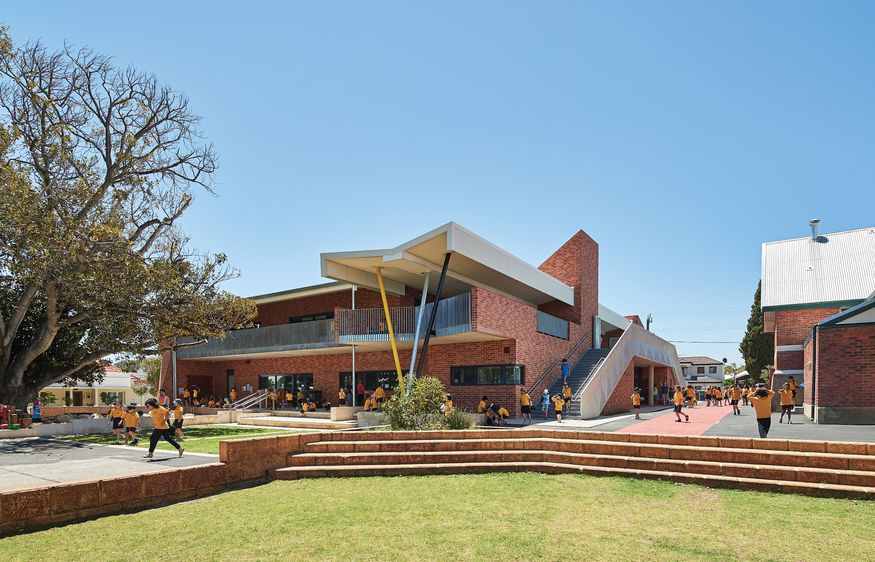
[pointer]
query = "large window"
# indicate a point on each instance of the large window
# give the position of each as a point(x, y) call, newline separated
point(370, 379)
point(712, 370)
point(487, 374)
point(302, 381)
point(700, 370)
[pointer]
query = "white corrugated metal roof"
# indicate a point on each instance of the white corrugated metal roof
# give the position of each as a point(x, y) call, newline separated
point(836, 268)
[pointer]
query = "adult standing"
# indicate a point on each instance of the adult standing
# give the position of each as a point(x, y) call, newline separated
point(360, 393)
point(161, 427)
point(663, 394)
point(761, 400)
point(163, 399)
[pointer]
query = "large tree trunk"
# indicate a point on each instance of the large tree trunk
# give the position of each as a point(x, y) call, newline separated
point(18, 396)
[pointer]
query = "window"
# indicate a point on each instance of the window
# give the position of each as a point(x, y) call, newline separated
point(712, 370)
point(311, 317)
point(686, 371)
point(700, 370)
point(487, 374)
point(370, 379)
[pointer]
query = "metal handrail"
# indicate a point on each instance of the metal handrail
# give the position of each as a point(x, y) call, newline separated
point(249, 401)
point(551, 366)
point(369, 324)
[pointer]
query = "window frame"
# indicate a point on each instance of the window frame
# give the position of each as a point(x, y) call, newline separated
point(475, 378)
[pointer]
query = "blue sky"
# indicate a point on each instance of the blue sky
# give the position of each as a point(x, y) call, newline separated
point(680, 135)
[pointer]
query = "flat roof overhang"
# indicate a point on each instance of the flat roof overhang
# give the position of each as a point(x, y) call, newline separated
point(474, 262)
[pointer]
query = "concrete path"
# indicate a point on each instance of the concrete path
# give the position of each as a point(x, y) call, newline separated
point(32, 462)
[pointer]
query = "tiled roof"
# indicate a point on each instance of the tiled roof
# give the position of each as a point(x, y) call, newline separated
point(700, 360)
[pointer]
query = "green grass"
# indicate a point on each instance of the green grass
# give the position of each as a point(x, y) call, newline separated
point(478, 517)
point(198, 439)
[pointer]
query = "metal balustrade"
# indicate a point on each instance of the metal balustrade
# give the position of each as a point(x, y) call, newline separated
point(552, 325)
point(369, 324)
point(285, 337)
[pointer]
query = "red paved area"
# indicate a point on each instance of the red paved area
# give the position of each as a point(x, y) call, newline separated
point(701, 419)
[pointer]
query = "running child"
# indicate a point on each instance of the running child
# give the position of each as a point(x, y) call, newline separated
point(636, 402)
point(679, 404)
point(161, 429)
point(132, 420)
point(788, 402)
point(178, 413)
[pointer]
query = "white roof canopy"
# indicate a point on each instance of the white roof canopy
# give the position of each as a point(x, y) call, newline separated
point(836, 268)
point(474, 262)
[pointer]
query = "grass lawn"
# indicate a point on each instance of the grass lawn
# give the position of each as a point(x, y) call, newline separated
point(198, 438)
point(478, 517)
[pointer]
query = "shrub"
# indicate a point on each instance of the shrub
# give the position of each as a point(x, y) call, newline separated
point(457, 419)
point(46, 398)
point(420, 410)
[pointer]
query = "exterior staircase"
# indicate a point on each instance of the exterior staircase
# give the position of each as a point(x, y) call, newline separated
point(804, 467)
point(579, 376)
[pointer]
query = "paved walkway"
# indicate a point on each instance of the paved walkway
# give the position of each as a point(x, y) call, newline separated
point(702, 418)
point(36, 461)
point(801, 428)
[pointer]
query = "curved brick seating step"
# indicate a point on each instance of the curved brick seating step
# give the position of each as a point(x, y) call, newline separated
point(650, 439)
point(731, 469)
point(814, 489)
point(832, 461)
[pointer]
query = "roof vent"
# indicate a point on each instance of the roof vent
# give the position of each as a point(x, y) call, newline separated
point(813, 223)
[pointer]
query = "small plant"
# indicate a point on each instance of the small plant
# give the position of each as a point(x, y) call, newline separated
point(46, 398)
point(420, 410)
point(458, 419)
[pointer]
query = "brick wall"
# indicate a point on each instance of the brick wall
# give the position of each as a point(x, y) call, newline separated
point(845, 367)
point(621, 399)
point(575, 263)
point(276, 313)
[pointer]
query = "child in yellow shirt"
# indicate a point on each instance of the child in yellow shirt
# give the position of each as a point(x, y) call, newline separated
point(788, 402)
point(558, 404)
point(131, 420)
point(679, 404)
point(636, 402)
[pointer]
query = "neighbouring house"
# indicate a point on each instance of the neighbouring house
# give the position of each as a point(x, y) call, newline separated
point(701, 372)
point(817, 300)
point(499, 325)
point(116, 385)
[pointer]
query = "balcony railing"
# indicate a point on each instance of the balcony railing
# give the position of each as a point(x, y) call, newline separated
point(369, 324)
point(552, 326)
point(286, 337)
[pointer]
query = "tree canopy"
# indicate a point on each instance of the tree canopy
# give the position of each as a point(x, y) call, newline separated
point(757, 348)
point(97, 165)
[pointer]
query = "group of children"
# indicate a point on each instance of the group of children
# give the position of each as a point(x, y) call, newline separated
point(496, 414)
point(758, 397)
point(191, 395)
point(127, 419)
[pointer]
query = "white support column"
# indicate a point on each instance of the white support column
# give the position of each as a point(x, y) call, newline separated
point(651, 399)
point(596, 332)
point(353, 357)
point(416, 333)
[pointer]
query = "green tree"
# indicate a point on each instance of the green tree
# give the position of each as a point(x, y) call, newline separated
point(97, 165)
point(756, 347)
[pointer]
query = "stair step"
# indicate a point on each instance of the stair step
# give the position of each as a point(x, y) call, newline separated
point(744, 470)
point(807, 488)
point(832, 461)
point(738, 470)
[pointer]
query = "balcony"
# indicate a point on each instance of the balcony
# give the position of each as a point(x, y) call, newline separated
point(317, 334)
point(366, 325)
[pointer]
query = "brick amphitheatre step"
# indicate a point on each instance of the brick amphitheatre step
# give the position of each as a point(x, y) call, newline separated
point(806, 467)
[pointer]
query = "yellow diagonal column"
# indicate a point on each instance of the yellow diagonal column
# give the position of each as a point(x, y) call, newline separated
point(391, 331)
